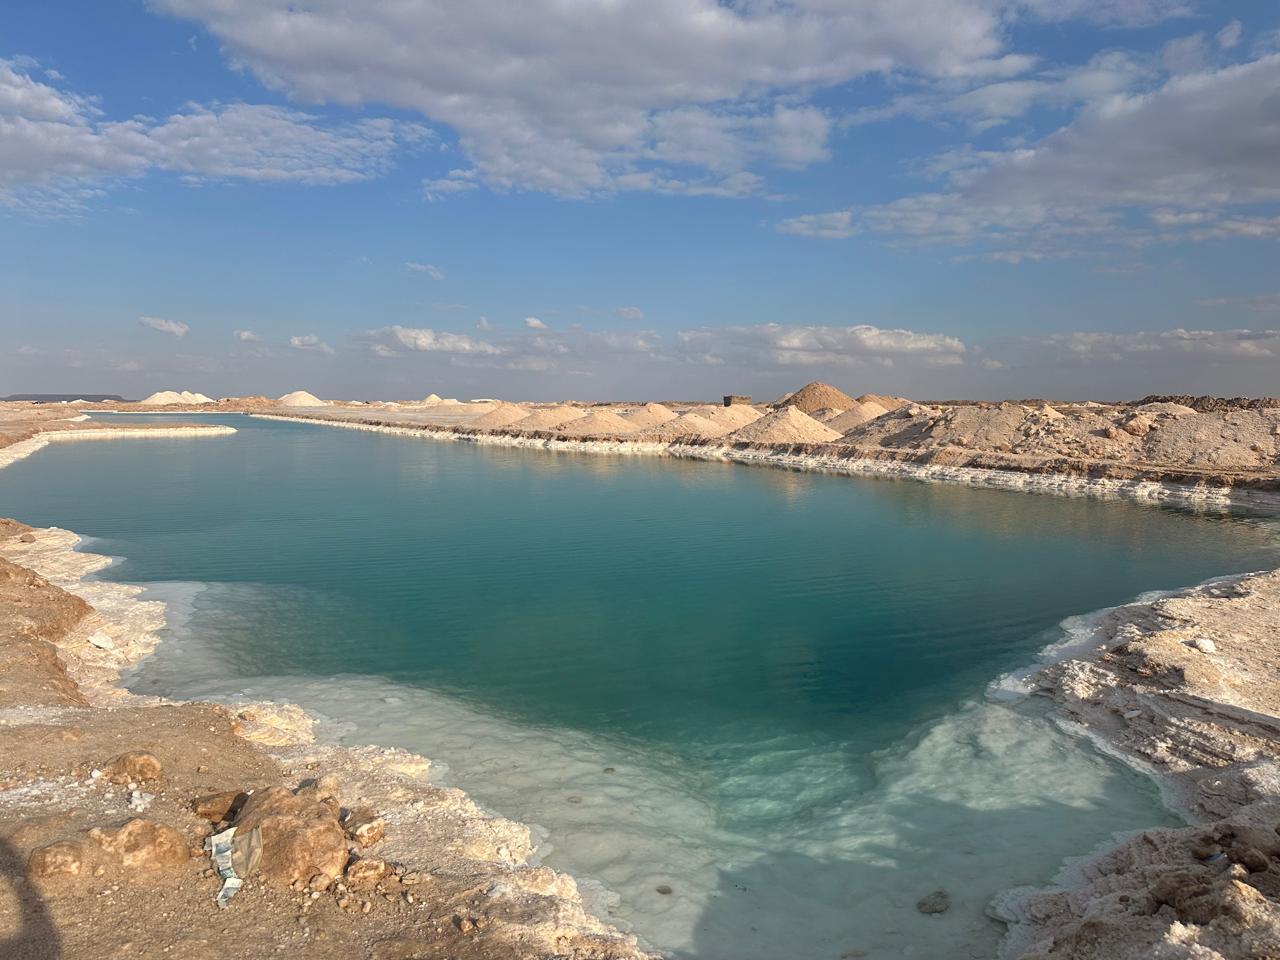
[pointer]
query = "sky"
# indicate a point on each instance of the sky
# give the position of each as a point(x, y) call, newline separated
point(635, 199)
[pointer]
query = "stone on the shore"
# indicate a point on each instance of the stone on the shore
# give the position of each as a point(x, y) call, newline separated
point(364, 826)
point(366, 872)
point(218, 807)
point(1204, 645)
point(301, 835)
point(937, 902)
point(64, 859)
point(136, 766)
point(143, 844)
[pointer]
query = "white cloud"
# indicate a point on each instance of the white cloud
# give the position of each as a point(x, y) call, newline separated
point(575, 99)
point(533, 323)
point(430, 269)
point(1229, 36)
point(482, 323)
point(785, 346)
point(1190, 154)
point(247, 336)
point(311, 343)
point(1265, 302)
point(56, 150)
point(1084, 348)
point(423, 339)
point(634, 314)
point(836, 225)
point(174, 328)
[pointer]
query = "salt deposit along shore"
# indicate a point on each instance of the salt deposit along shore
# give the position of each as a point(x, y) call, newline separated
point(1183, 687)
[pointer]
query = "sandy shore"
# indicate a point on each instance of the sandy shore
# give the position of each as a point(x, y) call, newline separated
point(1183, 687)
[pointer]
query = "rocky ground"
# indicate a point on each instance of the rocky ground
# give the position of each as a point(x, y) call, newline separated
point(107, 800)
point(1188, 687)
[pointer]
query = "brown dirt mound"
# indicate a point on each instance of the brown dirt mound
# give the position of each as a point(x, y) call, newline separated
point(786, 425)
point(860, 414)
point(598, 423)
point(817, 396)
point(548, 418)
point(687, 425)
point(650, 415)
point(503, 415)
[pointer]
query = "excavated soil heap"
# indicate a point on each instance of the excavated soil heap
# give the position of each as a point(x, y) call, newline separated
point(650, 415)
point(598, 423)
point(503, 415)
point(786, 425)
point(817, 396)
point(548, 418)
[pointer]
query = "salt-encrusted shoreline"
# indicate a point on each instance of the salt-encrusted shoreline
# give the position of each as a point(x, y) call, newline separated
point(832, 461)
point(25, 448)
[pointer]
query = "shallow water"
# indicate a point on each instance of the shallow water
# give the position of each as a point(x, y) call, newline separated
point(783, 672)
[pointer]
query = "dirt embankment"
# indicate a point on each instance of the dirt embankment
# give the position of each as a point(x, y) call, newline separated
point(107, 799)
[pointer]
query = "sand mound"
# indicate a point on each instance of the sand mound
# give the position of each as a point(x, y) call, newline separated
point(817, 396)
point(548, 418)
point(300, 398)
point(731, 418)
point(786, 425)
point(1172, 409)
point(598, 423)
point(650, 415)
point(826, 413)
point(860, 414)
point(503, 415)
point(166, 397)
point(884, 400)
point(431, 400)
point(686, 426)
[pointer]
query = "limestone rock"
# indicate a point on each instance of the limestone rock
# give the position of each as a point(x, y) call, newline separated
point(365, 873)
point(364, 826)
point(135, 766)
point(219, 807)
point(143, 844)
point(65, 859)
point(937, 902)
point(300, 833)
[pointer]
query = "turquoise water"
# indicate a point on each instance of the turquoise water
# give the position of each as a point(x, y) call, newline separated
point(783, 672)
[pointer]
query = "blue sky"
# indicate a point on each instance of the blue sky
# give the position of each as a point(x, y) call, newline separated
point(669, 198)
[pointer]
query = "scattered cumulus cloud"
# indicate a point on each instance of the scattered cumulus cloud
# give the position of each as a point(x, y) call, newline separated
point(175, 328)
point(1229, 36)
point(424, 339)
point(634, 314)
point(695, 97)
point(836, 225)
point(312, 344)
point(247, 336)
point(533, 323)
point(430, 269)
point(57, 152)
point(1265, 302)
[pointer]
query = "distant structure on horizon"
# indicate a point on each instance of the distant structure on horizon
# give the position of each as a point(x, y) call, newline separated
point(61, 397)
point(730, 399)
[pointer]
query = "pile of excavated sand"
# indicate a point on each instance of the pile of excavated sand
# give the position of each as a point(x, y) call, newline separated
point(1233, 439)
point(826, 413)
point(889, 403)
point(165, 397)
point(861, 413)
point(597, 423)
point(548, 418)
point(731, 418)
point(787, 424)
point(687, 426)
point(431, 400)
point(1173, 409)
point(300, 398)
point(819, 396)
point(503, 415)
point(650, 415)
